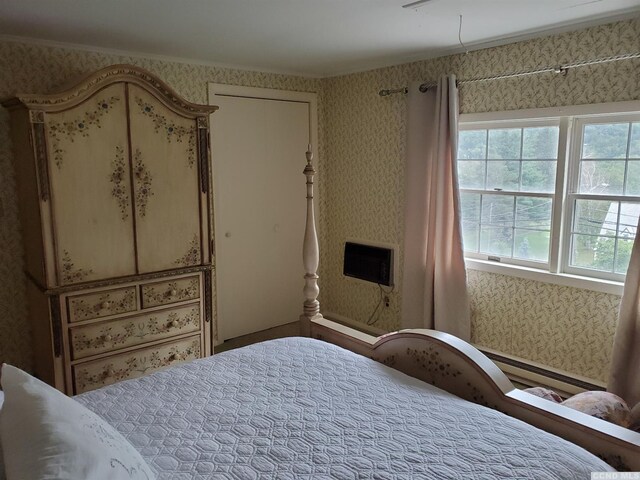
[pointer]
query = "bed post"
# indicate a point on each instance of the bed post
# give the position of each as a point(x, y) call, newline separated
point(310, 257)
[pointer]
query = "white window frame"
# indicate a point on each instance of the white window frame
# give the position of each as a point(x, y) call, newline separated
point(521, 123)
point(572, 194)
point(557, 271)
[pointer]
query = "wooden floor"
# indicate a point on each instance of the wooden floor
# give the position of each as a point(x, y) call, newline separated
point(287, 330)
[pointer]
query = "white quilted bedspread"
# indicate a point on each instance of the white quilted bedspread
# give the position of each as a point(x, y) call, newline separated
point(300, 408)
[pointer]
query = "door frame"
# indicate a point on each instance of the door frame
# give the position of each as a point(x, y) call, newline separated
point(221, 89)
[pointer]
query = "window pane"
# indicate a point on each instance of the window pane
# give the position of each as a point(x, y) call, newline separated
point(602, 177)
point(603, 250)
point(497, 210)
point(496, 241)
point(531, 245)
point(470, 207)
point(540, 142)
point(628, 225)
point(633, 178)
point(471, 174)
point(533, 213)
point(623, 255)
point(634, 146)
point(503, 175)
point(470, 236)
point(595, 217)
point(504, 143)
point(472, 144)
point(538, 176)
point(593, 252)
point(607, 140)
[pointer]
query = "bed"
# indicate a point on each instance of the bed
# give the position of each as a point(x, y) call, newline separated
point(303, 408)
point(336, 403)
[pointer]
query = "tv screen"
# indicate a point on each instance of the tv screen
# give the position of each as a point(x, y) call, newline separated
point(372, 264)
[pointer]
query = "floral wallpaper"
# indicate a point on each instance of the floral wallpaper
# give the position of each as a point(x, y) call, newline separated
point(360, 163)
point(29, 68)
point(363, 189)
point(567, 328)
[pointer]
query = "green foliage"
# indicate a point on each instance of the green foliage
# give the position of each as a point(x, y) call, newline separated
point(604, 252)
point(540, 143)
point(472, 144)
point(607, 140)
point(507, 167)
point(634, 144)
point(504, 144)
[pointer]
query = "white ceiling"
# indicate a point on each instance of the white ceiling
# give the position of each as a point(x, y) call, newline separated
point(306, 37)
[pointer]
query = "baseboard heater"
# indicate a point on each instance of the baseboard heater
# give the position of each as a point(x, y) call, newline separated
point(523, 373)
point(531, 375)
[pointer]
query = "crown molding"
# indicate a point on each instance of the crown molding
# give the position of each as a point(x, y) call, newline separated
point(150, 56)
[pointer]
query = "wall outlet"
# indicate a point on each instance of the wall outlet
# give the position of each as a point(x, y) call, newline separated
point(387, 301)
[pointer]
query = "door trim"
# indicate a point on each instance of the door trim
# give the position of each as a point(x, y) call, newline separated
point(310, 98)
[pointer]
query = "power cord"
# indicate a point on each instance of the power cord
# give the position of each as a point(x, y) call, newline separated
point(377, 310)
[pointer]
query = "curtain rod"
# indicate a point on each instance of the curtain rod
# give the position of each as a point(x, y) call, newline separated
point(561, 69)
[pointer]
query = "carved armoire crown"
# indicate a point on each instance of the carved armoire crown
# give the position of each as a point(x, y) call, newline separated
point(114, 190)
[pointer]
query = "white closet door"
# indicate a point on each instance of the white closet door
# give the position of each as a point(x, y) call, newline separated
point(258, 153)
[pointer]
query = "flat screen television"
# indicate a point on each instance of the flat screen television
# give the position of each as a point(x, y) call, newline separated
point(369, 263)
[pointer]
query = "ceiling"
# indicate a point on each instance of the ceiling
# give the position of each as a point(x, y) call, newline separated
point(306, 37)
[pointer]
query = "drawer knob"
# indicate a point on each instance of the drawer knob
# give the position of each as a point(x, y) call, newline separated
point(175, 324)
point(173, 292)
point(107, 337)
point(106, 304)
point(176, 357)
point(109, 372)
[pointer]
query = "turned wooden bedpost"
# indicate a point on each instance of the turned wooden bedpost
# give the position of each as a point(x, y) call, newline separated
point(310, 257)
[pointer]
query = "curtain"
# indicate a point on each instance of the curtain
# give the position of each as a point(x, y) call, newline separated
point(624, 376)
point(434, 276)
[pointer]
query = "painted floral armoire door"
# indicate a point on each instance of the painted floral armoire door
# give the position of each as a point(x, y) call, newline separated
point(91, 193)
point(166, 184)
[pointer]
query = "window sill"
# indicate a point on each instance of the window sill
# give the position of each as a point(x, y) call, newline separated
point(564, 279)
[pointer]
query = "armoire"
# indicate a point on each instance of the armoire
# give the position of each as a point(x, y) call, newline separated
point(114, 188)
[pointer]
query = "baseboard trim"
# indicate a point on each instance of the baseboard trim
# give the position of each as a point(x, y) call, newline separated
point(537, 375)
point(521, 370)
point(349, 322)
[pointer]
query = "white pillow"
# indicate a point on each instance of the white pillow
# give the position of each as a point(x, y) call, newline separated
point(47, 435)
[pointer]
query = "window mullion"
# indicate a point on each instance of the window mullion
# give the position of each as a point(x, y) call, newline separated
point(626, 161)
point(615, 244)
point(507, 193)
point(610, 198)
point(480, 222)
point(572, 169)
point(486, 157)
point(513, 228)
point(520, 160)
point(555, 254)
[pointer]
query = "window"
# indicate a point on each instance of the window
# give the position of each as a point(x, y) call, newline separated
point(558, 194)
point(603, 199)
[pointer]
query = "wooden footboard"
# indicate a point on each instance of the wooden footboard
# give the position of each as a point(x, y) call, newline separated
point(457, 367)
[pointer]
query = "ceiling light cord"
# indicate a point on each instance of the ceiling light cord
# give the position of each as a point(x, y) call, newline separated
point(466, 50)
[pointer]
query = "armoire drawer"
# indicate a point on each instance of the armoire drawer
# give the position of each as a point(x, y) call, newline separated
point(131, 331)
point(106, 371)
point(170, 291)
point(102, 304)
